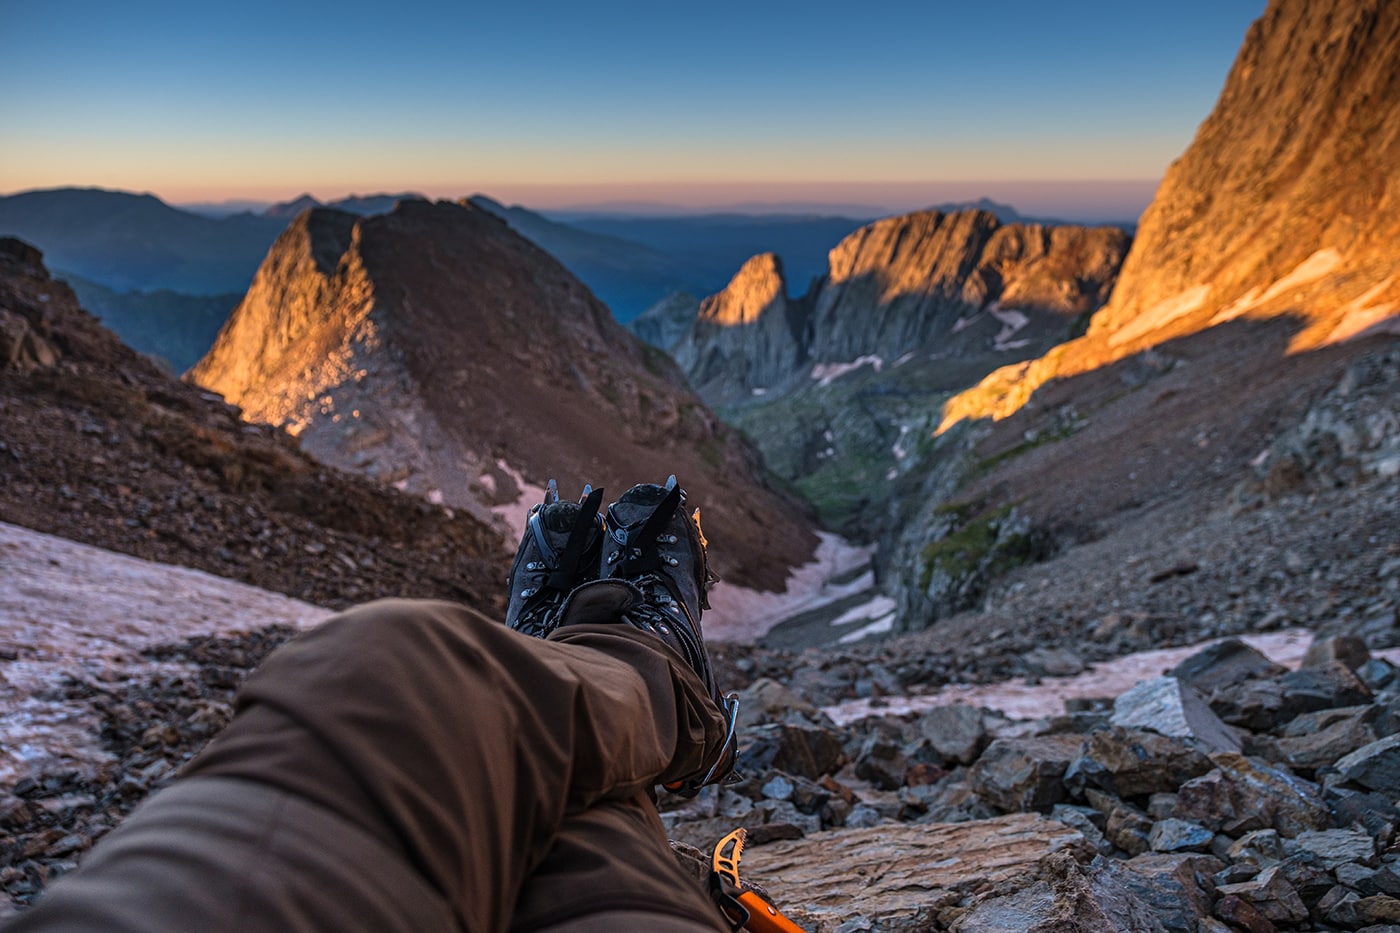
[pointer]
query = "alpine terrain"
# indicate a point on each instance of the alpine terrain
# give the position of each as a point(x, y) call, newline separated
point(434, 349)
point(1122, 651)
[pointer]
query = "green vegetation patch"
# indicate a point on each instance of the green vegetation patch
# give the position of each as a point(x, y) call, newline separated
point(984, 547)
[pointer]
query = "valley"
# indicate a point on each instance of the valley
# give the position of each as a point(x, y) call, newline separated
point(1060, 563)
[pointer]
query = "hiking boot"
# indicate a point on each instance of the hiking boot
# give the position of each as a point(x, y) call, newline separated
point(560, 549)
point(654, 576)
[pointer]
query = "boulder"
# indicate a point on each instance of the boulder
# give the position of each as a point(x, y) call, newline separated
point(1135, 763)
point(1386, 880)
point(1375, 766)
point(1336, 847)
point(958, 733)
point(1307, 874)
point(21, 347)
point(1087, 820)
point(1379, 909)
point(1024, 774)
point(1309, 746)
point(1224, 664)
point(1173, 835)
point(1348, 649)
point(766, 700)
point(1362, 809)
point(1325, 685)
point(1357, 877)
point(1091, 899)
point(1378, 674)
point(1264, 705)
point(1259, 848)
point(882, 763)
point(1053, 662)
point(806, 751)
point(1271, 895)
point(1242, 794)
point(1243, 915)
point(1129, 830)
point(952, 800)
point(1338, 907)
point(1176, 886)
point(897, 876)
point(1169, 707)
point(779, 819)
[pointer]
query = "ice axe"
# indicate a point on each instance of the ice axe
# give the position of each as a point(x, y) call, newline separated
point(743, 905)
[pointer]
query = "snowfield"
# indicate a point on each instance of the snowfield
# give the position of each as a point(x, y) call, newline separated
point(68, 610)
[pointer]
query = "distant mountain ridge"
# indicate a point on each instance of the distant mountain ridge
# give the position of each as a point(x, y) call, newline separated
point(138, 242)
point(929, 282)
point(436, 349)
point(362, 204)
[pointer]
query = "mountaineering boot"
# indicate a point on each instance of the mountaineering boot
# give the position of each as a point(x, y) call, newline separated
point(654, 576)
point(560, 549)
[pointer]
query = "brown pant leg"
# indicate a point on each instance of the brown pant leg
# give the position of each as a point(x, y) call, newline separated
point(229, 854)
point(460, 744)
point(611, 864)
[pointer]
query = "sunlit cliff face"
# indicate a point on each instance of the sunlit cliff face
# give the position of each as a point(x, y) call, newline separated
point(757, 287)
point(1287, 203)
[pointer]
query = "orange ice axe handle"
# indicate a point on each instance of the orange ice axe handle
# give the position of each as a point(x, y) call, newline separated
point(764, 917)
point(743, 906)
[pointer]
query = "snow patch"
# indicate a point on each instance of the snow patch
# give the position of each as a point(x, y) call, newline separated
point(1160, 315)
point(878, 627)
point(1011, 323)
point(68, 609)
point(877, 608)
point(739, 614)
point(1311, 269)
point(899, 450)
point(826, 373)
point(516, 514)
point(1022, 700)
point(1362, 318)
point(878, 615)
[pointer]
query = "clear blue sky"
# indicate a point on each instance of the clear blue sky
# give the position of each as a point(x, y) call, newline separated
point(552, 103)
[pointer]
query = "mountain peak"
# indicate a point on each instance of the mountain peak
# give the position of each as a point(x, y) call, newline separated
point(292, 208)
point(1285, 204)
point(436, 349)
point(756, 289)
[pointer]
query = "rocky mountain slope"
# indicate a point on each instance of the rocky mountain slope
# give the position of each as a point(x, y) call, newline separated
point(98, 445)
point(1218, 375)
point(840, 385)
point(927, 284)
point(1287, 203)
point(665, 324)
point(1232, 790)
point(1272, 237)
point(435, 349)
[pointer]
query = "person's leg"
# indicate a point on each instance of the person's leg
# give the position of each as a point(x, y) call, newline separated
point(230, 854)
point(610, 868)
point(456, 744)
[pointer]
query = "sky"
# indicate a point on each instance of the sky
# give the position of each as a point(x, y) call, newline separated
point(1077, 103)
